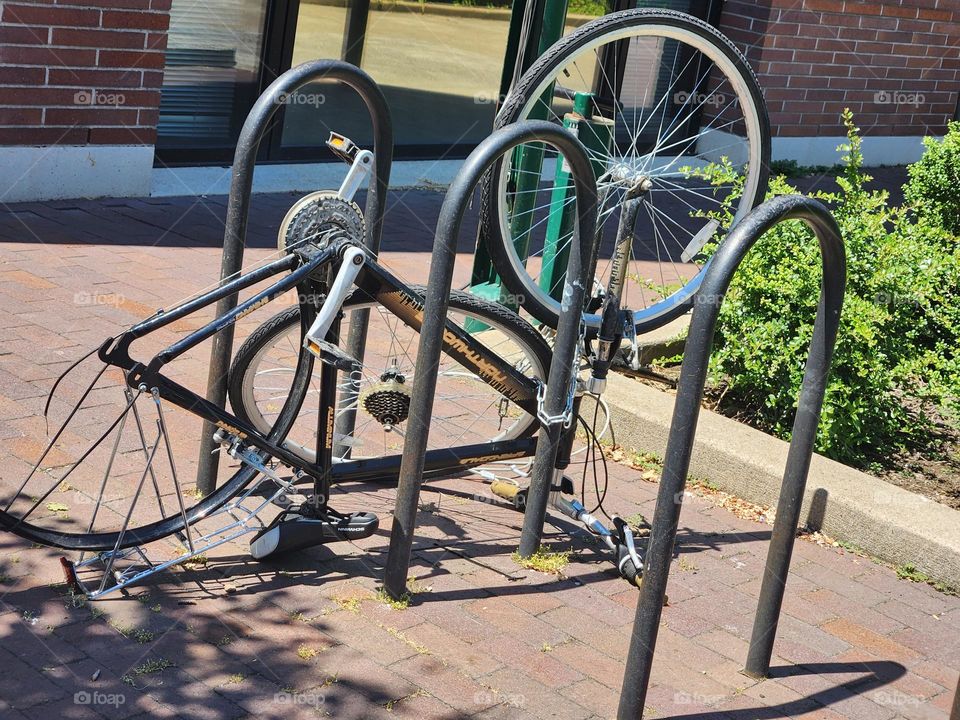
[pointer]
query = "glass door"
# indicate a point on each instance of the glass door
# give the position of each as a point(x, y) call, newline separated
point(440, 72)
point(214, 64)
point(438, 62)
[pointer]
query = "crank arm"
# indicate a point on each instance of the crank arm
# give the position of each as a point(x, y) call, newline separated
point(353, 261)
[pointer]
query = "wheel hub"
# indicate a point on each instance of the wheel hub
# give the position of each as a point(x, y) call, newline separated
point(635, 181)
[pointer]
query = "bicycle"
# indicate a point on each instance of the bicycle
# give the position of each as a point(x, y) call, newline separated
point(491, 351)
point(324, 260)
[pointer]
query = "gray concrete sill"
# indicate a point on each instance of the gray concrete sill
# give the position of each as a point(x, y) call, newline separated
point(893, 524)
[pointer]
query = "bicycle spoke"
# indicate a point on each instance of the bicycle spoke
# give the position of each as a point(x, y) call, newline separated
point(676, 99)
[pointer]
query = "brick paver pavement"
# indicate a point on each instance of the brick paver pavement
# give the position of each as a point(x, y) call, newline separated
point(308, 636)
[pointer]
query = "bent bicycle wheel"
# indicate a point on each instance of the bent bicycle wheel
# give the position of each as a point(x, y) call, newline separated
point(672, 114)
point(119, 470)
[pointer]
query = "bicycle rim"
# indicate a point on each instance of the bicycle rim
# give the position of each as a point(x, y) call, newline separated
point(696, 147)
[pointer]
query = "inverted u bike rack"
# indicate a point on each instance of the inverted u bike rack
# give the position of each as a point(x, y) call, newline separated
point(707, 304)
point(562, 365)
point(693, 373)
point(238, 213)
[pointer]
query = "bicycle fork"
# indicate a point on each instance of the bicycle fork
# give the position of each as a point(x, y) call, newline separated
point(620, 539)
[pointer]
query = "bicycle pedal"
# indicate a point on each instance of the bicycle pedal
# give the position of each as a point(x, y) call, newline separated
point(332, 355)
point(343, 147)
point(510, 492)
point(292, 531)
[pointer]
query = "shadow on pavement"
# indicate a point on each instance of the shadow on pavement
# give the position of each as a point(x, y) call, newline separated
point(872, 675)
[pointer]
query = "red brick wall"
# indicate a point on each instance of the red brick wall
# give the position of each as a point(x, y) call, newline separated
point(894, 63)
point(78, 72)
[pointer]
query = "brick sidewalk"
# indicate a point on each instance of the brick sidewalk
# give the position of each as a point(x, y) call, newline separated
point(308, 637)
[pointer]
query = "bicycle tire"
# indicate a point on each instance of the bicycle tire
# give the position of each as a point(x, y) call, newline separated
point(500, 248)
point(262, 338)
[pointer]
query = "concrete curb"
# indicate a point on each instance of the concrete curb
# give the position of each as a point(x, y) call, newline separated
point(664, 342)
point(886, 521)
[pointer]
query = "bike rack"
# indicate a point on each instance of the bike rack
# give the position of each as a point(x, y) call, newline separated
point(562, 365)
point(238, 213)
point(707, 303)
point(693, 372)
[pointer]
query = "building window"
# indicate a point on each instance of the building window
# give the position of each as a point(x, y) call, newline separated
point(439, 65)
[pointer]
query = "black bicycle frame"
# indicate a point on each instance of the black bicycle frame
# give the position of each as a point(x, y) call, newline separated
point(374, 282)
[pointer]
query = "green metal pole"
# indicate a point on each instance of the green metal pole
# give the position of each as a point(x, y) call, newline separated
point(546, 29)
point(483, 280)
point(595, 133)
point(554, 16)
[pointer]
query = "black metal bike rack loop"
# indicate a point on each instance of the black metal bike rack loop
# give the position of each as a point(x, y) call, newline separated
point(955, 713)
point(434, 315)
point(238, 213)
point(693, 372)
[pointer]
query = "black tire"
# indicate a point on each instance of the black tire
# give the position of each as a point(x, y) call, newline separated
point(279, 324)
point(500, 248)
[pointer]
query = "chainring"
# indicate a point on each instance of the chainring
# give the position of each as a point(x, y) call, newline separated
point(316, 218)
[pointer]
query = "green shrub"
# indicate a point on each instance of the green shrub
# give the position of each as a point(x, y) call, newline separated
point(934, 186)
point(587, 7)
point(896, 357)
